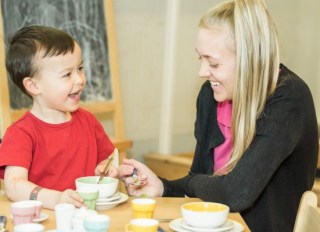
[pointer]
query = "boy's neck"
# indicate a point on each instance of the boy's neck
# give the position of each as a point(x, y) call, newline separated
point(51, 116)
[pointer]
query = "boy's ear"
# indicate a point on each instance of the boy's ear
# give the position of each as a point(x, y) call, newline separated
point(31, 85)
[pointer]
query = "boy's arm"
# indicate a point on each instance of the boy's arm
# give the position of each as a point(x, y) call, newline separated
point(17, 188)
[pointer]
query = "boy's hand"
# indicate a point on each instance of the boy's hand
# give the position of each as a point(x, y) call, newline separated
point(113, 171)
point(71, 197)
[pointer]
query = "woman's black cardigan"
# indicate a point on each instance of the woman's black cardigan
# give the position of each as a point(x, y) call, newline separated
point(267, 183)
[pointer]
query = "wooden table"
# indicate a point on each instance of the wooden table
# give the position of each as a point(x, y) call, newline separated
point(120, 215)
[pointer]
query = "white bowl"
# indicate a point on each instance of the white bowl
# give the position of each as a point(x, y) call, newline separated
point(107, 187)
point(204, 214)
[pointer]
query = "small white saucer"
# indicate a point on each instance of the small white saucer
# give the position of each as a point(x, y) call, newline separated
point(114, 197)
point(41, 218)
point(54, 230)
point(108, 205)
point(180, 226)
point(159, 230)
point(226, 226)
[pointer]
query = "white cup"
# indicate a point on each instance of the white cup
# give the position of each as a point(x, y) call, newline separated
point(29, 227)
point(64, 214)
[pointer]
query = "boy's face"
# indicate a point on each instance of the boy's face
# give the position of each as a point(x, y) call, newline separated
point(60, 81)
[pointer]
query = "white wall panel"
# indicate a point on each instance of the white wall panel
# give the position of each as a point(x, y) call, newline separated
point(140, 26)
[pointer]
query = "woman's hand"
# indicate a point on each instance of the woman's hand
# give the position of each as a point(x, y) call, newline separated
point(149, 185)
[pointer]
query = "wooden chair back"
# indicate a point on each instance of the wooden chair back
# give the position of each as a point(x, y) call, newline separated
point(308, 216)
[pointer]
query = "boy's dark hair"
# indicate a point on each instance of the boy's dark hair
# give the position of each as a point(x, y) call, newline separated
point(26, 43)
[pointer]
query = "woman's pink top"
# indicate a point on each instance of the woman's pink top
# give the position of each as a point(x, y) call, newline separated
point(223, 151)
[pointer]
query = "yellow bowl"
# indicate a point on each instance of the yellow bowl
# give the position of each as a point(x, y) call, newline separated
point(204, 214)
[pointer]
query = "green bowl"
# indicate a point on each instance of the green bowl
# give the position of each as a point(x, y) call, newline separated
point(107, 187)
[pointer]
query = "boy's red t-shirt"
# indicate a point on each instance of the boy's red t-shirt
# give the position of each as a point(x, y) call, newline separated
point(55, 154)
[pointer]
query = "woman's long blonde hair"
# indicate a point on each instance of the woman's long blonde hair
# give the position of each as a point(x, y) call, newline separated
point(257, 65)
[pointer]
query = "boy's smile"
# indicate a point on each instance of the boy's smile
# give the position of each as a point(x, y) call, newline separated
point(75, 96)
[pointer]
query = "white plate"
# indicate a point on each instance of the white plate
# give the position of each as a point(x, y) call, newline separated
point(114, 197)
point(178, 225)
point(109, 205)
point(41, 218)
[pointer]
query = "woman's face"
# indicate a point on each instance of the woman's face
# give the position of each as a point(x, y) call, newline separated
point(216, 49)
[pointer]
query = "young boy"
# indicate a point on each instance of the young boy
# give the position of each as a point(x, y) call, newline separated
point(55, 142)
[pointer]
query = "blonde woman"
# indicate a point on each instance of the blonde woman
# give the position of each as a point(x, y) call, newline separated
point(256, 128)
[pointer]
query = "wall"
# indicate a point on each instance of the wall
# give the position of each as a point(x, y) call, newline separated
point(141, 27)
point(299, 32)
